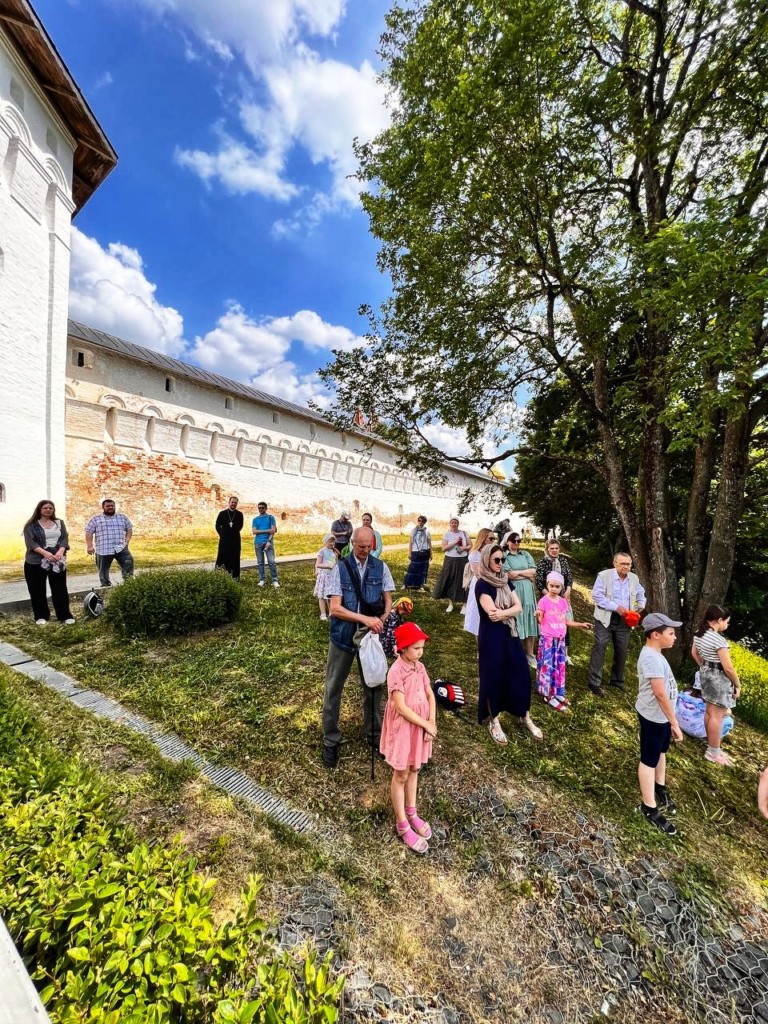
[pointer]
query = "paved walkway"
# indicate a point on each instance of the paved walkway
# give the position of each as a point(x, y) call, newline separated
point(14, 596)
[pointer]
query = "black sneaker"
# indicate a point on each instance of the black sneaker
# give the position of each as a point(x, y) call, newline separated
point(597, 690)
point(330, 756)
point(654, 815)
point(616, 686)
point(665, 802)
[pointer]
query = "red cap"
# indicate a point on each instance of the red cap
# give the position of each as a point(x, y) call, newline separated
point(407, 634)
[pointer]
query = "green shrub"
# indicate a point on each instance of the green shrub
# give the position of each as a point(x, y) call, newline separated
point(162, 602)
point(753, 673)
point(116, 932)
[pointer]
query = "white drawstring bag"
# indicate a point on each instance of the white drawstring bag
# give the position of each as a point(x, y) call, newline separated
point(373, 661)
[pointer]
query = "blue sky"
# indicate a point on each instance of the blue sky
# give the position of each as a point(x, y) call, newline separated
point(230, 233)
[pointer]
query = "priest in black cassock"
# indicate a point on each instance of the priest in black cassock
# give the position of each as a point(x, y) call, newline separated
point(229, 523)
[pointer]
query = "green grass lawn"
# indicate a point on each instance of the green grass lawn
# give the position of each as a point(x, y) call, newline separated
point(152, 552)
point(250, 695)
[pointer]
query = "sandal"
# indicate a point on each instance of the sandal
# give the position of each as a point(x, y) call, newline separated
point(497, 733)
point(419, 826)
point(558, 705)
point(413, 841)
point(532, 728)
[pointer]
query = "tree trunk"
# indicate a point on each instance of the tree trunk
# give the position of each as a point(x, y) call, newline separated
point(734, 465)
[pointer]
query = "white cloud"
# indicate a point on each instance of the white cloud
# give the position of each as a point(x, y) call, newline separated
point(255, 351)
point(110, 291)
point(244, 348)
point(318, 105)
point(240, 169)
point(104, 80)
point(258, 29)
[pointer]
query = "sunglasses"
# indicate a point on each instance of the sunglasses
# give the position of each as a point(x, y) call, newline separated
point(496, 561)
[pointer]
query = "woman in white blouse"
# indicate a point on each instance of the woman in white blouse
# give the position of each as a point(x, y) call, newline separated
point(47, 543)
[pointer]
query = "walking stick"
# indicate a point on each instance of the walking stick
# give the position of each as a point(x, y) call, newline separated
point(370, 698)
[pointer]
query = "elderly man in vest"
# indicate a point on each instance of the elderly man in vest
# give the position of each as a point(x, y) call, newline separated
point(360, 594)
point(616, 592)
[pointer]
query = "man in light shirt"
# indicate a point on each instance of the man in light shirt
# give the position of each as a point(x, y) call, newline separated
point(616, 592)
point(108, 535)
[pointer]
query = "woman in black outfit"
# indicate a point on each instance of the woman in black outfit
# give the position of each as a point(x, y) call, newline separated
point(47, 544)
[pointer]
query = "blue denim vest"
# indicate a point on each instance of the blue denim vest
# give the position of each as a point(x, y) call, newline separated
point(342, 632)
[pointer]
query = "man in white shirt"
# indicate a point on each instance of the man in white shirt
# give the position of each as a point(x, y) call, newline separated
point(616, 591)
point(109, 535)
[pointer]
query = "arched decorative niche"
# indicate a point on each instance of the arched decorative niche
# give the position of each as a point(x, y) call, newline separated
point(152, 410)
point(215, 427)
point(285, 443)
point(240, 432)
point(301, 447)
point(17, 124)
point(264, 439)
point(112, 401)
point(186, 419)
point(322, 453)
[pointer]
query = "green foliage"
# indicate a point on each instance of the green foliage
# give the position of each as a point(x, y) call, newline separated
point(753, 673)
point(164, 602)
point(113, 931)
point(576, 190)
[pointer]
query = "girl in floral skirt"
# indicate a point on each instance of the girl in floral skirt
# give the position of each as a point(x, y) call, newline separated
point(552, 613)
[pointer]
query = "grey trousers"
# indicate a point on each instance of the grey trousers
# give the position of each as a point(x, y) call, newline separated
point(617, 632)
point(123, 558)
point(337, 668)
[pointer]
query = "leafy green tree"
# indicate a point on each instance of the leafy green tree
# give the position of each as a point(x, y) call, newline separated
point(578, 187)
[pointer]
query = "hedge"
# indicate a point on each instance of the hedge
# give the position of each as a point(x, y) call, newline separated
point(164, 601)
point(116, 932)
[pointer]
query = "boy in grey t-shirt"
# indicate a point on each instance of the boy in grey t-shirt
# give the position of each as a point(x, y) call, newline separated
point(656, 702)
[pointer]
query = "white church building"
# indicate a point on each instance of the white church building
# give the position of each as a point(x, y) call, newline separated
point(84, 414)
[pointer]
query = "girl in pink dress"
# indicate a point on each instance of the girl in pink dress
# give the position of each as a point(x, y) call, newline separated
point(407, 732)
point(552, 612)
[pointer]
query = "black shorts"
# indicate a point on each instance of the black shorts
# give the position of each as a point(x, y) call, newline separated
point(655, 738)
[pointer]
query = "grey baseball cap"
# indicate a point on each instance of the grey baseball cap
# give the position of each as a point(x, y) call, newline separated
point(657, 620)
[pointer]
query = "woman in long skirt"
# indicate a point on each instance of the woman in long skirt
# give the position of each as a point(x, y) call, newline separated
point(456, 546)
point(521, 570)
point(505, 679)
point(420, 554)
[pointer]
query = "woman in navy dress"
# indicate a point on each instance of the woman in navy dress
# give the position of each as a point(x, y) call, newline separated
point(505, 678)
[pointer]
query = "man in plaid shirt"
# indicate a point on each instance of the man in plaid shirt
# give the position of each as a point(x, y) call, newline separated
point(110, 534)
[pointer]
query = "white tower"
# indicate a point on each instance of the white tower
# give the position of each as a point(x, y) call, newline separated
point(53, 155)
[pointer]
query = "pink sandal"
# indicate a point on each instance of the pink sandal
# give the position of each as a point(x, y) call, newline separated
point(413, 841)
point(419, 826)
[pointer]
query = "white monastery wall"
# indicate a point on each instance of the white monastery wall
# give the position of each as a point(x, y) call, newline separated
point(36, 207)
point(171, 458)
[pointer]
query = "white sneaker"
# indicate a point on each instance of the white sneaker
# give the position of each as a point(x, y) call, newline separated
point(261, 583)
point(69, 622)
point(568, 659)
point(323, 618)
point(463, 610)
point(41, 622)
point(449, 609)
point(275, 584)
point(531, 660)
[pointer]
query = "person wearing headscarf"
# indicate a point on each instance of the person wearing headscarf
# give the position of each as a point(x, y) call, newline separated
point(505, 680)
point(521, 570)
point(472, 615)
